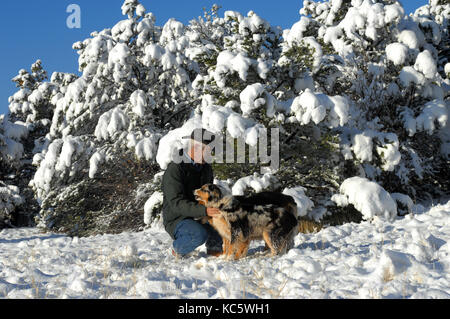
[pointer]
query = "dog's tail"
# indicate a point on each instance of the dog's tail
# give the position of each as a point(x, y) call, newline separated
point(305, 225)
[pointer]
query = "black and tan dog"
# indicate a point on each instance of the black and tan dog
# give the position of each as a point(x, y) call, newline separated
point(268, 216)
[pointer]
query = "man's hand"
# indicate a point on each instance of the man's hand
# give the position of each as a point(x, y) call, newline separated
point(212, 212)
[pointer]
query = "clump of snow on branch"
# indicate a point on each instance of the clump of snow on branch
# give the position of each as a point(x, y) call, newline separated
point(367, 197)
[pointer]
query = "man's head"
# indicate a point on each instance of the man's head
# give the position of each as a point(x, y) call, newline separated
point(198, 144)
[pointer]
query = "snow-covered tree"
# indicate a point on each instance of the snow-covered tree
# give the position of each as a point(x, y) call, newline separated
point(255, 76)
point(388, 68)
point(134, 87)
point(355, 88)
point(22, 135)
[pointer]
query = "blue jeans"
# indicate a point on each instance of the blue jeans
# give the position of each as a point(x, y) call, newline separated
point(190, 234)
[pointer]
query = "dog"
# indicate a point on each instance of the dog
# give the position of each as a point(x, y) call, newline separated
point(267, 216)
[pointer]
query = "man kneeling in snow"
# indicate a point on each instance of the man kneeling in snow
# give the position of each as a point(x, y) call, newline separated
point(180, 209)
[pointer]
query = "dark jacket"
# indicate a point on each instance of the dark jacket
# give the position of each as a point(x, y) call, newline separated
point(178, 185)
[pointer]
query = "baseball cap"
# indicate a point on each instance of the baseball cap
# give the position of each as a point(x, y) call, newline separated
point(201, 135)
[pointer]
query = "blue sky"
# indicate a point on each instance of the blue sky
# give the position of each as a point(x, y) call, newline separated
point(36, 29)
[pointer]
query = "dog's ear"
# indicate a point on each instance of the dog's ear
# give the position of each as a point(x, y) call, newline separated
point(217, 193)
point(214, 192)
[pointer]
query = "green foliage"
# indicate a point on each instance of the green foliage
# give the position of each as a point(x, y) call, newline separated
point(109, 203)
point(31, 80)
point(310, 162)
point(301, 55)
point(208, 59)
point(235, 170)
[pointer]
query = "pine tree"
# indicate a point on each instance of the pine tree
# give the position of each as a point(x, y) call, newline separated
point(23, 135)
point(134, 87)
point(357, 89)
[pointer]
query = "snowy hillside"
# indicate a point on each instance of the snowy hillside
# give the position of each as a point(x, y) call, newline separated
point(355, 96)
point(408, 258)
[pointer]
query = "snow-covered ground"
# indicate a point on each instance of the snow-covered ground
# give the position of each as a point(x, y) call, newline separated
point(406, 258)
